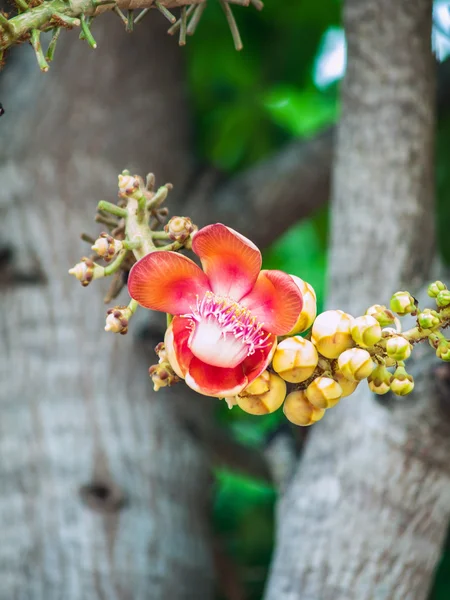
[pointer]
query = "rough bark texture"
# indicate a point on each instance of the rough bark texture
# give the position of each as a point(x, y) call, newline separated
point(77, 408)
point(367, 510)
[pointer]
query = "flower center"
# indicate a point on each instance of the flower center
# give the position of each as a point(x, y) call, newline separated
point(225, 332)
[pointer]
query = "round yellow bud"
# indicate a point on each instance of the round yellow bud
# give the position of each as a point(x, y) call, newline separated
point(324, 392)
point(300, 411)
point(264, 395)
point(347, 387)
point(309, 310)
point(398, 348)
point(355, 364)
point(331, 333)
point(402, 383)
point(366, 331)
point(380, 380)
point(383, 315)
point(295, 359)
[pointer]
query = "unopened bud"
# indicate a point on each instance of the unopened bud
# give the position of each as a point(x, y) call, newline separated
point(380, 380)
point(402, 383)
point(428, 319)
point(366, 331)
point(117, 319)
point(295, 359)
point(383, 315)
point(443, 350)
point(443, 298)
point(398, 348)
point(83, 271)
point(403, 303)
point(347, 386)
point(331, 333)
point(299, 410)
point(128, 186)
point(179, 228)
point(355, 364)
point(309, 309)
point(162, 352)
point(324, 392)
point(162, 375)
point(264, 395)
point(107, 247)
point(436, 287)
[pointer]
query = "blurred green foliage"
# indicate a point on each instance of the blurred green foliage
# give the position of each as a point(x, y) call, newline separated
point(246, 106)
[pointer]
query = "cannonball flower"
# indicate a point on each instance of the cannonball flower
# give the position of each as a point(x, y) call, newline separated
point(226, 317)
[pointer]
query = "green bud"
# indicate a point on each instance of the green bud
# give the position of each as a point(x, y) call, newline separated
point(380, 380)
point(398, 348)
point(443, 350)
point(402, 383)
point(366, 331)
point(428, 319)
point(435, 288)
point(443, 298)
point(403, 303)
point(382, 314)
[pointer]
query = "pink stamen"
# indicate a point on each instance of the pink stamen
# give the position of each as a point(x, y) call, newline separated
point(233, 319)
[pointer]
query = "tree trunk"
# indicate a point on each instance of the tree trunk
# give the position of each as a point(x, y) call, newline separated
point(367, 510)
point(104, 493)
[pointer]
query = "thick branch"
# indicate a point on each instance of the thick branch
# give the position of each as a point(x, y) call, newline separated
point(368, 508)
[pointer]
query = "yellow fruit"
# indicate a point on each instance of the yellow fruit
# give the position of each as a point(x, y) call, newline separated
point(366, 331)
point(295, 359)
point(324, 392)
point(256, 401)
point(309, 310)
point(331, 333)
point(300, 411)
point(347, 387)
point(355, 364)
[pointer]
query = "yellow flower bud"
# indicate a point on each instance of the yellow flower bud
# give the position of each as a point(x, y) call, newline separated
point(382, 314)
point(324, 392)
point(179, 228)
point(309, 310)
point(398, 348)
point(295, 359)
point(355, 364)
point(162, 375)
point(366, 331)
point(380, 380)
point(129, 185)
point(107, 247)
point(347, 386)
point(264, 395)
point(331, 333)
point(436, 287)
point(299, 410)
point(402, 383)
point(403, 303)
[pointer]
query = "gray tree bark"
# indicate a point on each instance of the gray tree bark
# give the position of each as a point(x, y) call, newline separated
point(103, 489)
point(367, 510)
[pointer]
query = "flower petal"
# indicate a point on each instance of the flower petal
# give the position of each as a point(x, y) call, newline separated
point(275, 301)
point(257, 362)
point(230, 260)
point(215, 381)
point(176, 343)
point(168, 282)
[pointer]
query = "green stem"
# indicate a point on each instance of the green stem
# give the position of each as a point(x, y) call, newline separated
point(52, 46)
point(115, 265)
point(160, 235)
point(173, 246)
point(113, 209)
point(134, 245)
point(169, 319)
point(163, 10)
point(159, 197)
point(132, 306)
point(87, 32)
point(36, 43)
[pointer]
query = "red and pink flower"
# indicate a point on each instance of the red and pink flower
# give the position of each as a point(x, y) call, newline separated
point(226, 317)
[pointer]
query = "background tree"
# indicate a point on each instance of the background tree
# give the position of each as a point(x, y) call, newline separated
point(69, 133)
